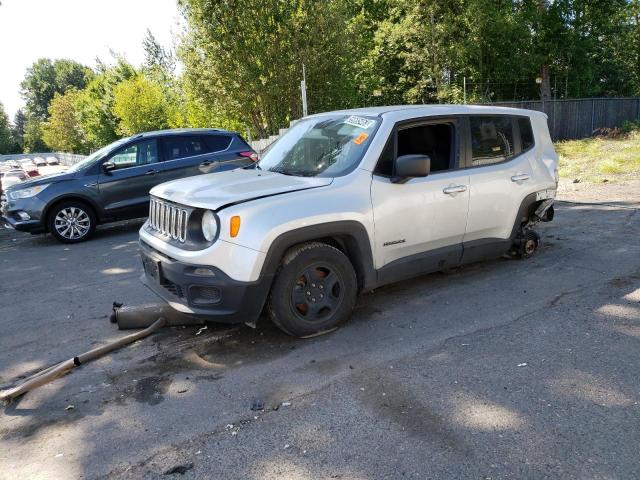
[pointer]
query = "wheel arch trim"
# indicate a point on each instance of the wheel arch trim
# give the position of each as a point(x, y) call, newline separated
point(70, 198)
point(350, 234)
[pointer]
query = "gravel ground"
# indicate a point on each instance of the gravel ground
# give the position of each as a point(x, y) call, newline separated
point(505, 369)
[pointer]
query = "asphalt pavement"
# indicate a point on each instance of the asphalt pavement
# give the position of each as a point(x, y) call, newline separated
point(499, 370)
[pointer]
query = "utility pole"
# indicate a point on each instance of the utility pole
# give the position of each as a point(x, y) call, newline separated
point(303, 90)
point(464, 90)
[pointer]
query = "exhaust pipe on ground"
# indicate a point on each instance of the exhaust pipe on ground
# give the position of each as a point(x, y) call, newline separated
point(150, 317)
point(142, 316)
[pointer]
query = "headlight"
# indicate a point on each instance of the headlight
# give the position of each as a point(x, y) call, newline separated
point(209, 225)
point(27, 192)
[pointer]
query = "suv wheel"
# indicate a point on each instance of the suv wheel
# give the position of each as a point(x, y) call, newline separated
point(71, 222)
point(314, 291)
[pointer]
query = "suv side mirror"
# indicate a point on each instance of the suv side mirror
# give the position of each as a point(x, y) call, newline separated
point(108, 166)
point(410, 166)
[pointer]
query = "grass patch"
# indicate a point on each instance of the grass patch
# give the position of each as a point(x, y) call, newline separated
point(593, 160)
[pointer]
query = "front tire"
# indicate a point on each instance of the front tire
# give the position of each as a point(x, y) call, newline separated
point(71, 222)
point(314, 291)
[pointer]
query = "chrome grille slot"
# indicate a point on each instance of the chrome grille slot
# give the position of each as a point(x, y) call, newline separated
point(168, 219)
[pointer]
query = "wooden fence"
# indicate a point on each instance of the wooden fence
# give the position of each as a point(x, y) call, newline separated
point(580, 117)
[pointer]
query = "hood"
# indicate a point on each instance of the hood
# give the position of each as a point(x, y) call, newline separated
point(43, 179)
point(216, 190)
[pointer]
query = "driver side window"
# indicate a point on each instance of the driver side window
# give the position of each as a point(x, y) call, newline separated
point(141, 153)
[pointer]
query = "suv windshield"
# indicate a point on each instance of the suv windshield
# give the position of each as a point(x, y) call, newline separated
point(327, 146)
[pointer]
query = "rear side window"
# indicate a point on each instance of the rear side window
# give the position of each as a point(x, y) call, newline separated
point(491, 139)
point(526, 133)
point(217, 143)
point(183, 146)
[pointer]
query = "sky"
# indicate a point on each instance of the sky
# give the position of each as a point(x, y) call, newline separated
point(80, 30)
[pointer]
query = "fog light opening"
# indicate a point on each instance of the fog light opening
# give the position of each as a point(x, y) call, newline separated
point(204, 295)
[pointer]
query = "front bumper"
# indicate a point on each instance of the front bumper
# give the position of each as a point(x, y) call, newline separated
point(33, 207)
point(215, 297)
point(30, 226)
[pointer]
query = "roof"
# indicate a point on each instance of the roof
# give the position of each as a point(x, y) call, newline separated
point(179, 131)
point(408, 111)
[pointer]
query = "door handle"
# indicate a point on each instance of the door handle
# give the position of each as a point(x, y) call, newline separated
point(151, 172)
point(520, 177)
point(454, 189)
point(206, 163)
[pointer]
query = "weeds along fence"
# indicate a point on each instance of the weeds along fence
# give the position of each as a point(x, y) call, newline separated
point(577, 118)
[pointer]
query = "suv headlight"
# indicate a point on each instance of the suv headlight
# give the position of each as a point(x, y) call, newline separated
point(27, 192)
point(209, 226)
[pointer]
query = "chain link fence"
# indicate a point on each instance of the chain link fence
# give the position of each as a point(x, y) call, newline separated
point(64, 158)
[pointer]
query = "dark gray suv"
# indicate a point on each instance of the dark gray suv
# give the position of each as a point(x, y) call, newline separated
point(114, 182)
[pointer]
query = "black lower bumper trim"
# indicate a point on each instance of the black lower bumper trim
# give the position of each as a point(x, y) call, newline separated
point(30, 226)
point(177, 284)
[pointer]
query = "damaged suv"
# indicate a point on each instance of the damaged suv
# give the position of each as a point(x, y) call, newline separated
point(345, 202)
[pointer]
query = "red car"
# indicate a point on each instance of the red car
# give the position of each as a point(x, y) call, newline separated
point(29, 168)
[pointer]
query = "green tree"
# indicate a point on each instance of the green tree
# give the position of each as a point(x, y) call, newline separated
point(33, 141)
point(7, 145)
point(45, 78)
point(628, 50)
point(17, 130)
point(159, 62)
point(62, 132)
point(250, 66)
point(95, 103)
point(140, 105)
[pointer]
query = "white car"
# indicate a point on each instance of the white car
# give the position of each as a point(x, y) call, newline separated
point(348, 201)
point(27, 163)
point(12, 177)
point(51, 160)
point(39, 161)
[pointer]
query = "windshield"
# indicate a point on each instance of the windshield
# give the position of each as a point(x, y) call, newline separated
point(95, 155)
point(327, 146)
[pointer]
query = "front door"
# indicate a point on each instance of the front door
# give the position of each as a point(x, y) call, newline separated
point(420, 223)
point(124, 191)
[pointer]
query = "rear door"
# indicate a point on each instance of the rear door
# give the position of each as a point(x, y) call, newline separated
point(500, 175)
point(188, 155)
point(124, 191)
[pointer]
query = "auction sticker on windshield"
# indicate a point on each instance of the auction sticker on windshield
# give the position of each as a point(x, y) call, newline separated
point(361, 138)
point(360, 122)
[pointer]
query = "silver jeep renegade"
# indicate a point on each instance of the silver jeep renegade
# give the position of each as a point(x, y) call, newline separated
point(345, 202)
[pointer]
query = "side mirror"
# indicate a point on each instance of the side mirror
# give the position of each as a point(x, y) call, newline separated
point(108, 166)
point(410, 166)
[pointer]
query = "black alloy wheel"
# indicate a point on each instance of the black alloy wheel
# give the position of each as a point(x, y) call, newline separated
point(314, 291)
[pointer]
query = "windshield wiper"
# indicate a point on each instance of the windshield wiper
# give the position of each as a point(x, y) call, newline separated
point(293, 173)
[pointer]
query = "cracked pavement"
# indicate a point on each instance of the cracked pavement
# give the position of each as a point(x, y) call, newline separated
point(504, 369)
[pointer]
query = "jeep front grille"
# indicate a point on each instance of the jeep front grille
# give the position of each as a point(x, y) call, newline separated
point(168, 219)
